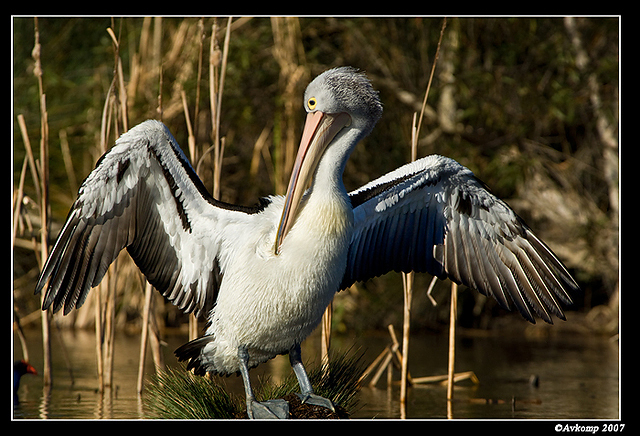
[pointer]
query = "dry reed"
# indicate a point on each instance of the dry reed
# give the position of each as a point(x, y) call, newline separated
point(391, 357)
point(44, 198)
point(217, 74)
point(452, 348)
point(193, 321)
point(407, 278)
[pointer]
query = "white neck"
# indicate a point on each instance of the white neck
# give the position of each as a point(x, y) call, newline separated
point(328, 175)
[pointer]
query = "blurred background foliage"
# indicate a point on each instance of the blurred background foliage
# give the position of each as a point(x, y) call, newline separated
point(529, 104)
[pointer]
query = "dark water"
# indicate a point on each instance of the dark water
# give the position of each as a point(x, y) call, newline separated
point(578, 378)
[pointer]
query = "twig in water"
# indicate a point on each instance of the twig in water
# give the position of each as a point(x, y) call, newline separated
point(431, 286)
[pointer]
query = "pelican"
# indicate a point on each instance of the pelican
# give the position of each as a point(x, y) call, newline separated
point(263, 275)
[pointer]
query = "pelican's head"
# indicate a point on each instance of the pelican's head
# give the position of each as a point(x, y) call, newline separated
point(344, 90)
point(342, 108)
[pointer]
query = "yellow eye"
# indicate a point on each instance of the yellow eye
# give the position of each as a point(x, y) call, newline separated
point(311, 103)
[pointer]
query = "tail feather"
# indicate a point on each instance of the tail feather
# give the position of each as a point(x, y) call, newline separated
point(192, 351)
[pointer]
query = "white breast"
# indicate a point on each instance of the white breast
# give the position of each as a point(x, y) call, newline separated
point(269, 303)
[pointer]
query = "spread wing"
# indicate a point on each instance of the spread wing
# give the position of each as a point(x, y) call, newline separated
point(435, 216)
point(142, 195)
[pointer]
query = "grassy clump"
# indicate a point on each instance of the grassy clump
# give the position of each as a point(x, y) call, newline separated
point(178, 394)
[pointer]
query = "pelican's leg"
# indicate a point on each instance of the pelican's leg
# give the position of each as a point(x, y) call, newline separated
point(306, 394)
point(271, 409)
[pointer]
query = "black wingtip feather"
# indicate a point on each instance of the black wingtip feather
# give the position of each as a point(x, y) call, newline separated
point(192, 352)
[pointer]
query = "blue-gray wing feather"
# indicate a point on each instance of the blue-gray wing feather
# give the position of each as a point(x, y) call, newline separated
point(435, 216)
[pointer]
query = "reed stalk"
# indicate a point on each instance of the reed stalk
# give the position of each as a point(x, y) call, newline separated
point(468, 375)
point(452, 348)
point(98, 332)
point(407, 286)
point(407, 278)
point(43, 199)
point(193, 320)
point(196, 114)
point(148, 292)
point(373, 365)
point(217, 60)
point(30, 159)
point(397, 353)
point(326, 334)
point(68, 162)
point(19, 197)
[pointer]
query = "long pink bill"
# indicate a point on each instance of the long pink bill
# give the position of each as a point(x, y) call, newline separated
point(319, 130)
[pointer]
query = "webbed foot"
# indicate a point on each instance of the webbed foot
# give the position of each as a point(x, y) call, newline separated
point(270, 409)
point(316, 400)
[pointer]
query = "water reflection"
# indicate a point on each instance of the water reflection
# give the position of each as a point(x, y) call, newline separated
point(578, 378)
